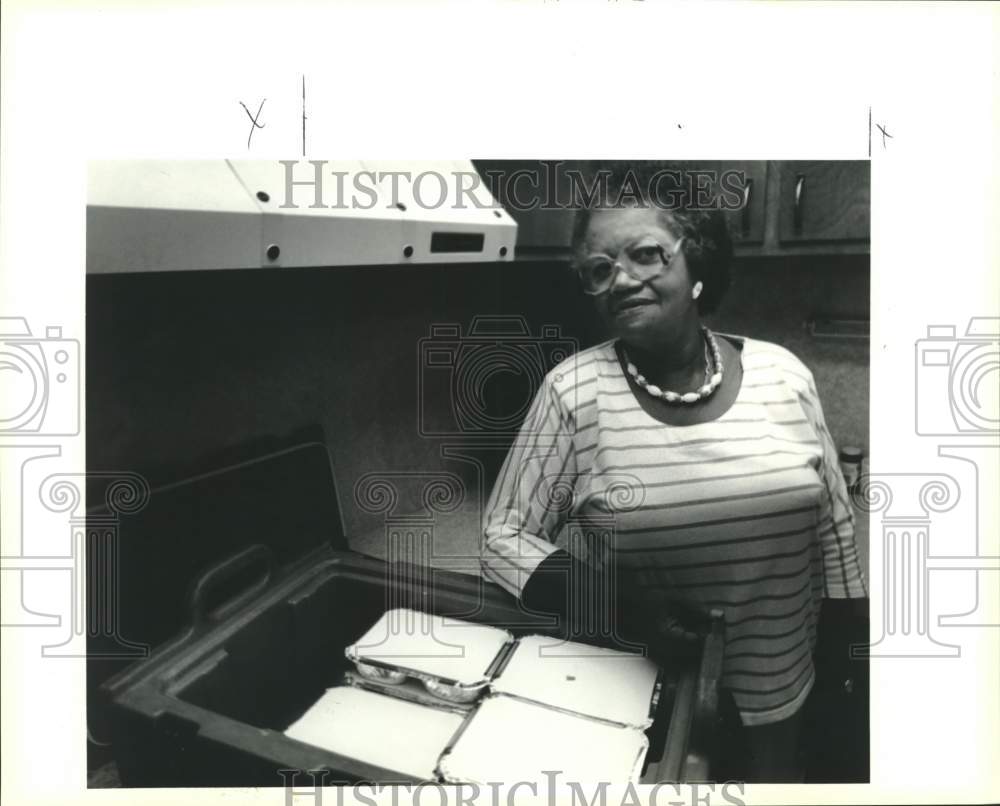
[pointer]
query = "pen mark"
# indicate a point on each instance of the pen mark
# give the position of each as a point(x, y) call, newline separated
point(869, 132)
point(885, 134)
point(253, 120)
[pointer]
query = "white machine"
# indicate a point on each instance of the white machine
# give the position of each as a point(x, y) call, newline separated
point(147, 216)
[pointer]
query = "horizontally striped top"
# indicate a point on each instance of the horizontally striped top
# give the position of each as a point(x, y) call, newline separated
point(747, 513)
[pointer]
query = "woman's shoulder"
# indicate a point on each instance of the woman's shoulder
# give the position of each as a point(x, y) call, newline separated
point(581, 370)
point(768, 358)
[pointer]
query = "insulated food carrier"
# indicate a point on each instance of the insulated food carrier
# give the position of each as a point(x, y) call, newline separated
point(283, 615)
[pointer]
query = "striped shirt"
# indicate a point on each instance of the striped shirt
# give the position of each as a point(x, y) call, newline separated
point(747, 513)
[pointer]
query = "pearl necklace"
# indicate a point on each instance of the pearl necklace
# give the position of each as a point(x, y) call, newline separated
point(712, 378)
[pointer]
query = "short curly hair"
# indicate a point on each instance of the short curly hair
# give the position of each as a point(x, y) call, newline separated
point(707, 248)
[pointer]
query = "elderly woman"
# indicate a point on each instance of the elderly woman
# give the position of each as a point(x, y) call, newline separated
point(733, 498)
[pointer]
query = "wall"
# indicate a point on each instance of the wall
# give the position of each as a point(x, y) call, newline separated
point(772, 298)
point(183, 365)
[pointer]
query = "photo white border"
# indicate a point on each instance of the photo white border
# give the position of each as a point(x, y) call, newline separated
point(536, 79)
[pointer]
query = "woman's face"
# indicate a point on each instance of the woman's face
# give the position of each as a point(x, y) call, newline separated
point(651, 313)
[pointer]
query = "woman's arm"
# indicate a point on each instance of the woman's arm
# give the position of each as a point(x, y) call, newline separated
point(531, 496)
point(843, 577)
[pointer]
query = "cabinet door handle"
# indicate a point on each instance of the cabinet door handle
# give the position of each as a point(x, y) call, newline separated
point(745, 215)
point(800, 199)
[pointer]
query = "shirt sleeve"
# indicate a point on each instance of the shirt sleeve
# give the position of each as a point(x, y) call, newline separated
point(843, 577)
point(531, 496)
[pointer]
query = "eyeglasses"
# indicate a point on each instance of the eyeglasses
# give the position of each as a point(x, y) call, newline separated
point(641, 261)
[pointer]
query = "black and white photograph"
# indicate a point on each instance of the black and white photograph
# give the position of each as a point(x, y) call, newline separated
point(396, 455)
point(576, 431)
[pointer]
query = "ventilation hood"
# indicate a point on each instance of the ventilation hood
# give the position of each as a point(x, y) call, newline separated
point(184, 216)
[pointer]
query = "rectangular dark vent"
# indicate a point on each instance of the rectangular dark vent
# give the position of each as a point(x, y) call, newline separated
point(457, 242)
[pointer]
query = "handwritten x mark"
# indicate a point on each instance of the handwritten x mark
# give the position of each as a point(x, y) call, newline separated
point(885, 134)
point(253, 120)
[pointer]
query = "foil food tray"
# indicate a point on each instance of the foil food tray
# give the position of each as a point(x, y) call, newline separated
point(454, 660)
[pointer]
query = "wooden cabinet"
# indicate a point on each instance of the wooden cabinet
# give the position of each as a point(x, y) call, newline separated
point(786, 207)
point(824, 201)
point(746, 225)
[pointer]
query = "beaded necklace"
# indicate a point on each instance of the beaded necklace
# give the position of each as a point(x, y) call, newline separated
point(713, 375)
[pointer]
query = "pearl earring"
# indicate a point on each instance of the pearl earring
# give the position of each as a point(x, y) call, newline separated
point(696, 291)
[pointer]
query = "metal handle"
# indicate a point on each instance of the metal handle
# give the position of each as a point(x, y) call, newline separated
point(208, 584)
point(745, 216)
point(800, 198)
